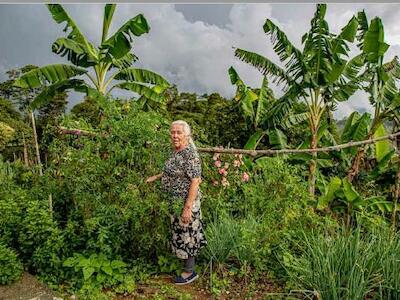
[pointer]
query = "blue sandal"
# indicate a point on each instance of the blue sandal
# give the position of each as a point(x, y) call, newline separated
point(179, 280)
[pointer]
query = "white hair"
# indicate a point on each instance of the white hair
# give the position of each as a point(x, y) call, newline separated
point(186, 130)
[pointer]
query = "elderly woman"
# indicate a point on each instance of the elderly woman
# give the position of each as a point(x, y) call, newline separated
point(181, 178)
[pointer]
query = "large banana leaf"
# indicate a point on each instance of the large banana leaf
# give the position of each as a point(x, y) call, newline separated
point(362, 27)
point(119, 44)
point(62, 46)
point(109, 10)
point(374, 46)
point(47, 75)
point(141, 76)
point(381, 147)
point(334, 185)
point(254, 140)
point(347, 130)
point(285, 49)
point(264, 65)
point(265, 97)
point(349, 191)
point(277, 138)
point(142, 90)
point(50, 91)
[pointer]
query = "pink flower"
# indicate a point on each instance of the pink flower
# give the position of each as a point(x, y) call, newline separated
point(216, 156)
point(226, 166)
point(223, 172)
point(245, 177)
point(215, 182)
point(217, 163)
point(224, 182)
point(236, 163)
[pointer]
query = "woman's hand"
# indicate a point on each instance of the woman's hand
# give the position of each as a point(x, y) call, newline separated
point(186, 215)
point(153, 178)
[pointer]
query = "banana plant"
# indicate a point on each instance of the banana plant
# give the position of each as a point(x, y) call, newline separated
point(339, 194)
point(255, 104)
point(320, 74)
point(110, 61)
point(378, 79)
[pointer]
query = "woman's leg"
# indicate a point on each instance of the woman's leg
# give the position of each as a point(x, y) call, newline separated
point(189, 264)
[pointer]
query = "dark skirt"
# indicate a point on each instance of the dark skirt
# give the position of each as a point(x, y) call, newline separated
point(187, 239)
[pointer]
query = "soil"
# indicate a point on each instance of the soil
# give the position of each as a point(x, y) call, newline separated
point(27, 288)
point(158, 287)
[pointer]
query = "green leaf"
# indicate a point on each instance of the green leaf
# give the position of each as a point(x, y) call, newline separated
point(142, 90)
point(382, 164)
point(247, 104)
point(349, 32)
point(265, 97)
point(277, 138)
point(87, 272)
point(69, 262)
point(379, 203)
point(285, 49)
point(108, 14)
point(264, 65)
point(254, 140)
point(349, 192)
point(233, 75)
point(118, 264)
point(382, 147)
point(107, 269)
point(360, 129)
point(47, 75)
point(347, 130)
point(324, 200)
point(60, 15)
point(49, 92)
point(374, 46)
point(119, 44)
point(141, 76)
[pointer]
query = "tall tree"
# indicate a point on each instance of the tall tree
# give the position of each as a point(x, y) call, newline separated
point(113, 53)
point(378, 79)
point(319, 74)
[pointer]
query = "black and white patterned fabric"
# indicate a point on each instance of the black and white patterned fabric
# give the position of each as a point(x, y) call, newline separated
point(179, 170)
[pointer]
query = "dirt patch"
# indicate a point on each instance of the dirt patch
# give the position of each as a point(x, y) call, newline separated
point(157, 287)
point(26, 288)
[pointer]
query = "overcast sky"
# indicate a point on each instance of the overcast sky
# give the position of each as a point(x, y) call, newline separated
point(189, 44)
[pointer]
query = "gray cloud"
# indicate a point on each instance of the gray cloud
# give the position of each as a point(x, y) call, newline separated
point(190, 45)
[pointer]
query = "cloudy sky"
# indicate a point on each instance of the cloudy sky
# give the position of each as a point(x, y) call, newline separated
point(191, 45)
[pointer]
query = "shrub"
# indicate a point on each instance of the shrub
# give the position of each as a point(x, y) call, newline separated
point(10, 266)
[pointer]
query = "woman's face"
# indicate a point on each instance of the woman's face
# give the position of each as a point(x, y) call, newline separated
point(178, 137)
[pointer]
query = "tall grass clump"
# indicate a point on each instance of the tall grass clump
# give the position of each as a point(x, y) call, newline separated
point(348, 265)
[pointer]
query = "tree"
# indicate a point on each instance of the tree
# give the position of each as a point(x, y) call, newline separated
point(378, 79)
point(319, 74)
point(113, 53)
point(256, 105)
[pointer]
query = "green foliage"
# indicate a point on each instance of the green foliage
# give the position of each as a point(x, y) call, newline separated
point(97, 270)
point(347, 265)
point(10, 266)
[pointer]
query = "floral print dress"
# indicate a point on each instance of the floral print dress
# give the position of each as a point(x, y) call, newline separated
point(179, 170)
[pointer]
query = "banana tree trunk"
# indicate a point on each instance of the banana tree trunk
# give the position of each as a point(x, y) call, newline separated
point(313, 164)
point(36, 143)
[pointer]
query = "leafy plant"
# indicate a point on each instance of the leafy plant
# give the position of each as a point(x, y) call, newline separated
point(112, 53)
point(10, 266)
point(97, 270)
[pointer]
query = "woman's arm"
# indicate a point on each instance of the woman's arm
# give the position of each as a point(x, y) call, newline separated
point(187, 209)
point(153, 178)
